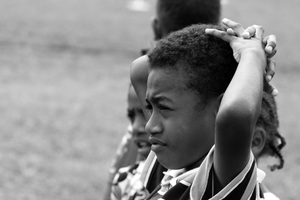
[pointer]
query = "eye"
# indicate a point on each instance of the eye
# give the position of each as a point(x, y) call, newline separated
point(148, 107)
point(130, 115)
point(163, 107)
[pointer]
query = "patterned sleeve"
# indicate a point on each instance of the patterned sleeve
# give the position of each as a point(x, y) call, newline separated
point(127, 184)
point(126, 155)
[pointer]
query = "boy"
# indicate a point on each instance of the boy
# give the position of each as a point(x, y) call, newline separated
point(169, 16)
point(189, 73)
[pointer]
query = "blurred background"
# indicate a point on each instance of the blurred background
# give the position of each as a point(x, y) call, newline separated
point(64, 73)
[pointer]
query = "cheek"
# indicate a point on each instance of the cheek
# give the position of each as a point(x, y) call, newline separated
point(188, 136)
point(184, 134)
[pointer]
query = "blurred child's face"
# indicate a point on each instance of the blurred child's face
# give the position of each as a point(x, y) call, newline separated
point(138, 122)
point(180, 132)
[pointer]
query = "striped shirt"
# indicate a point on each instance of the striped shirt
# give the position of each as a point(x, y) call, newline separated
point(197, 184)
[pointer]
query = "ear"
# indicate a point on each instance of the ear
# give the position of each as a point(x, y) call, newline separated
point(219, 99)
point(156, 29)
point(259, 141)
point(215, 103)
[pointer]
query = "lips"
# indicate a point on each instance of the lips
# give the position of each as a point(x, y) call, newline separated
point(156, 141)
point(157, 145)
point(142, 143)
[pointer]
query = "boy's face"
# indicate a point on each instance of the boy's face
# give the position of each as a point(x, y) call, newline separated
point(138, 122)
point(180, 132)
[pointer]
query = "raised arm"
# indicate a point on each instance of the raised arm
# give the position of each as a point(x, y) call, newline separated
point(139, 76)
point(240, 104)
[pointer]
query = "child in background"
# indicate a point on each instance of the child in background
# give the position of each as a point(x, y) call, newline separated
point(126, 183)
point(138, 122)
point(267, 140)
point(173, 15)
point(189, 73)
point(126, 155)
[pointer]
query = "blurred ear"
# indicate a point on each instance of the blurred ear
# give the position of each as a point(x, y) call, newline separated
point(259, 141)
point(156, 29)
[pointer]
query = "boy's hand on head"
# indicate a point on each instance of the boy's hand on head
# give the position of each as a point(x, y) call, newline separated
point(239, 45)
point(270, 44)
point(235, 34)
point(233, 28)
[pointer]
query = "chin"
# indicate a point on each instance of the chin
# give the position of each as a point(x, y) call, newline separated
point(167, 163)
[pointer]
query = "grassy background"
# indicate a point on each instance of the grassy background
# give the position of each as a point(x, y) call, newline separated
point(64, 75)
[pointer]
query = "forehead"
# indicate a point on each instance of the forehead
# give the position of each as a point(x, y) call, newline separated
point(164, 79)
point(165, 83)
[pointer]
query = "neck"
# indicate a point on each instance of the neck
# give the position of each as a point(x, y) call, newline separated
point(197, 163)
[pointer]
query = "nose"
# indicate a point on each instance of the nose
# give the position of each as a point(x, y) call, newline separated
point(153, 126)
point(138, 126)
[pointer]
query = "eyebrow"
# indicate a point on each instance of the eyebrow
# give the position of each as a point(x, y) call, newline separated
point(158, 99)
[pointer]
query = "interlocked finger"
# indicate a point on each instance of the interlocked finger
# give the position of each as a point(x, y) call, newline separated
point(249, 32)
point(270, 70)
point(270, 45)
point(218, 33)
point(230, 31)
point(259, 31)
point(236, 27)
point(270, 89)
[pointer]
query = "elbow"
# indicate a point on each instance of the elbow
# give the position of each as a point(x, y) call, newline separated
point(237, 116)
point(139, 70)
point(134, 72)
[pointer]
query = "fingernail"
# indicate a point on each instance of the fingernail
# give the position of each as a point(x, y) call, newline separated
point(224, 20)
point(275, 92)
point(246, 34)
point(270, 49)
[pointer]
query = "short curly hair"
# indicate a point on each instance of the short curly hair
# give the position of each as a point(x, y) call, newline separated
point(268, 119)
point(176, 15)
point(205, 62)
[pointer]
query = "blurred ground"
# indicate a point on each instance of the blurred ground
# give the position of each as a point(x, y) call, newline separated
point(64, 76)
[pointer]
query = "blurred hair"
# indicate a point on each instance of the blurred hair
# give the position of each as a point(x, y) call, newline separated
point(177, 14)
point(268, 119)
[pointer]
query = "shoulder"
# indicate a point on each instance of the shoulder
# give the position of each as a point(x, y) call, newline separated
point(242, 186)
point(270, 196)
point(127, 184)
point(125, 173)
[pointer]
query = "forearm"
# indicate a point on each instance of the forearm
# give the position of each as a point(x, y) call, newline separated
point(244, 92)
point(236, 118)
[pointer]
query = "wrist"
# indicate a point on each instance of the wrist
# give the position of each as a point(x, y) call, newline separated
point(257, 55)
point(260, 53)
